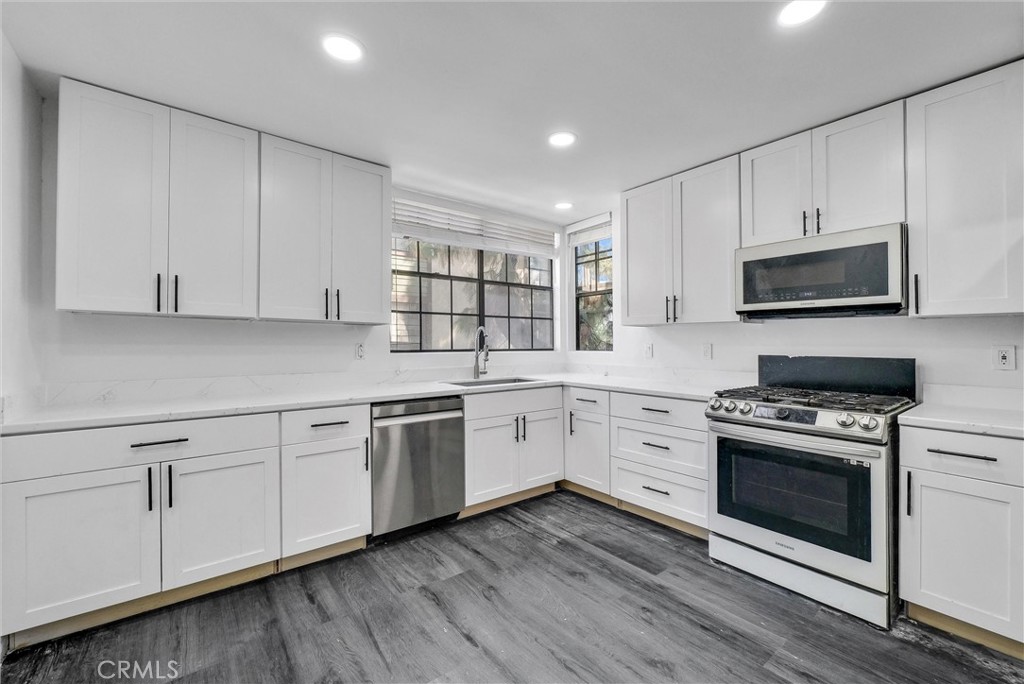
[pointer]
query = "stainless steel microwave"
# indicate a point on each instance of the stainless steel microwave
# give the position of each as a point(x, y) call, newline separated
point(854, 272)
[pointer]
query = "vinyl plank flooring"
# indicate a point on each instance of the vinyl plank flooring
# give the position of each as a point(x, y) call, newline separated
point(555, 589)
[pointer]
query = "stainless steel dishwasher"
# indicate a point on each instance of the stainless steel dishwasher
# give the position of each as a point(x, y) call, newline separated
point(419, 462)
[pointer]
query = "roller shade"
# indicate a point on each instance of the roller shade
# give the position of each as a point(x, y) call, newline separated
point(441, 220)
point(589, 230)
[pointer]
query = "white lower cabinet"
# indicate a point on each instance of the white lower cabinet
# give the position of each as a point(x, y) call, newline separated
point(76, 543)
point(586, 450)
point(221, 514)
point(513, 442)
point(677, 496)
point(325, 493)
point(962, 543)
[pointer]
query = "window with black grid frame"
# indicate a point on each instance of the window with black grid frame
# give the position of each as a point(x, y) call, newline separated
point(442, 293)
point(593, 260)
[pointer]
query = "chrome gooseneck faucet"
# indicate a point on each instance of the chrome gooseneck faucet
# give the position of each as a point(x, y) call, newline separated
point(480, 346)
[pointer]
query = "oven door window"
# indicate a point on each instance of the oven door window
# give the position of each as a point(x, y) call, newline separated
point(822, 500)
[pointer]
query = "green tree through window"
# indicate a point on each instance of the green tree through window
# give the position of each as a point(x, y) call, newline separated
point(594, 295)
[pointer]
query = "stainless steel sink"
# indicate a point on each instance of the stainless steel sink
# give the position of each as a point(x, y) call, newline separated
point(486, 382)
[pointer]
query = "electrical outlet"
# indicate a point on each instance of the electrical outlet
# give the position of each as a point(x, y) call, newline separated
point(1004, 357)
point(707, 351)
point(649, 350)
point(360, 350)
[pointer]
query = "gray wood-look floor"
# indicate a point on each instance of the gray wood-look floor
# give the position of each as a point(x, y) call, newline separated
point(557, 589)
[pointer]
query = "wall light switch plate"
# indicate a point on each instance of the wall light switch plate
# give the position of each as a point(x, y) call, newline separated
point(649, 350)
point(707, 351)
point(1004, 357)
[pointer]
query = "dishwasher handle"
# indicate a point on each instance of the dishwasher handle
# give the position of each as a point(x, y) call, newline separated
point(416, 418)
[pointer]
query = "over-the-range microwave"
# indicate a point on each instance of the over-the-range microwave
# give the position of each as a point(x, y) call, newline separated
point(853, 272)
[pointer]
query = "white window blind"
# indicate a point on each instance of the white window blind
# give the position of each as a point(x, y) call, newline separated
point(589, 230)
point(436, 219)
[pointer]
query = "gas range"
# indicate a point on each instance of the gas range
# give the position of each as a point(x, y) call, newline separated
point(844, 415)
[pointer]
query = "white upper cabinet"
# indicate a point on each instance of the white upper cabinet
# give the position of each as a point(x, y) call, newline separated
point(112, 199)
point(361, 216)
point(706, 221)
point(775, 190)
point(858, 171)
point(214, 220)
point(295, 230)
point(841, 176)
point(645, 243)
point(965, 156)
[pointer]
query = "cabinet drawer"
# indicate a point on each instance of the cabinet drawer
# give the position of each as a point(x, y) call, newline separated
point(678, 412)
point(678, 496)
point(58, 453)
point(589, 400)
point(661, 446)
point(313, 425)
point(508, 403)
point(968, 455)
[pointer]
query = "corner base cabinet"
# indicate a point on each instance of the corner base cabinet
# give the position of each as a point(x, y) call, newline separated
point(586, 438)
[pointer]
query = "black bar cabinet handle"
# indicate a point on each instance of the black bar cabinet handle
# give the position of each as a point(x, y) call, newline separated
point(327, 303)
point(139, 445)
point(652, 489)
point(366, 460)
point(817, 220)
point(656, 446)
point(963, 455)
point(517, 428)
point(805, 223)
point(586, 401)
point(654, 410)
point(571, 430)
point(149, 485)
point(175, 293)
point(667, 317)
point(917, 293)
point(675, 301)
point(170, 488)
point(158, 293)
point(337, 304)
point(524, 428)
point(336, 422)
point(909, 473)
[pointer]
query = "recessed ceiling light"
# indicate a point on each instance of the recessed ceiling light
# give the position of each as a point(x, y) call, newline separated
point(562, 139)
point(799, 11)
point(343, 48)
point(563, 205)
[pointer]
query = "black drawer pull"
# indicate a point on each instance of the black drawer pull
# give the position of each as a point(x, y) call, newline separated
point(586, 401)
point(170, 488)
point(149, 485)
point(910, 475)
point(654, 410)
point(962, 455)
point(139, 445)
point(572, 430)
point(336, 422)
point(656, 446)
point(660, 491)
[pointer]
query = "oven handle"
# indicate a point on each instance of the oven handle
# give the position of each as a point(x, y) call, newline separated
point(762, 437)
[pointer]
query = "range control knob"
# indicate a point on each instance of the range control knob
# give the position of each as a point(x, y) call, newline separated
point(746, 407)
point(868, 422)
point(782, 413)
point(730, 406)
point(715, 404)
point(845, 420)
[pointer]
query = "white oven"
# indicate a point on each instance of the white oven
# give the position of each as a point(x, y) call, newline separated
point(818, 502)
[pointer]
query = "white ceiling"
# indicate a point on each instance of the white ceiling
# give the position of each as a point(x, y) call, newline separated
point(458, 98)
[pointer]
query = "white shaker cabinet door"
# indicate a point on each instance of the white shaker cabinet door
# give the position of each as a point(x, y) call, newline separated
point(492, 458)
point(325, 493)
point(214, 218)
point(962, 549)
point(775, 191)
point(965, 170)
point(859, 172)
point(112, 199)
point(295, 230)
point(221, 514)
point(361, 274)
point(541, 452)
point(645, 243)
point(77, 543)
point(587, 455)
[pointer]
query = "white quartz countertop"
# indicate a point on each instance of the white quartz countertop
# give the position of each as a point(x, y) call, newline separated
point(108, 414)
point(972, 420)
